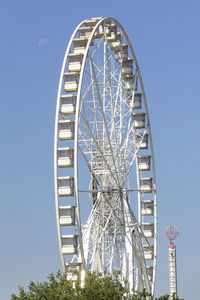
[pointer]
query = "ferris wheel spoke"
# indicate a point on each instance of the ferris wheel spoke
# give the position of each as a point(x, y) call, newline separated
point(99, 239)
point(99, 69)
point(104, 120)
point(130, 165)
point(117, 218)
point(103, 230)
point(138, 247)
point(118, 95)
point(95, 250)
point(95, 108)
point(113, 129)
point(89, 167)
point(98, 147)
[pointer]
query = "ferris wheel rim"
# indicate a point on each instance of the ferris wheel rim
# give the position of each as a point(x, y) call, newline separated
point(56, 138)
point(77, 123)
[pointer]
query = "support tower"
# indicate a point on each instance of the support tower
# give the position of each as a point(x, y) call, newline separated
point(172, 233)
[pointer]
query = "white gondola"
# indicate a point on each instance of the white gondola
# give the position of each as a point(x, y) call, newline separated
point(137, 104)
point(134, 100)
point(101, 30)
point(138, 120)
point(85, 31)
point(96, 34)
point(65, 157)
point(144, 163)
point(66, 129)
point(146, 185)
point(148, 252)
point(80, 45)
point(70, 269)
point(69, 244)
point(68, 104)
point(127, 67)
point(121, 54)
point(104, 28)
point(67, 215)
point(147, 207)
point(71, 80)
point(142, 141)
point(112, 34)
point(148, 229)
point(75, 62)
point(116, 44)
point(130, 82)
point(66, 186)
point(92, 22)
point(149, 272)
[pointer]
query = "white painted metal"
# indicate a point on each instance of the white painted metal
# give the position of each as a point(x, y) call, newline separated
point(67, 215)
point(56, 138)
point(68, 104)
point(116, 44)
point(153, 268)
point(71, 81)
point(135, 100)
point(75, 61)
point(65, 186)
point(130, 82)
point(113, 34)
point(172, 269)
point(65, 157)
point(97, 125)
point(150, 273)
point(66, 129)
point(144, 162)
point(127, 67)
point(147, 207)
point(121, 53)
point(70, 269)
point(85, 31)
point(146, 185)
point(69, 243)
point(139, 120)
point(148, 229)
point(80, 45)
point(142, 141)
point(172, 233)
point(148, 252)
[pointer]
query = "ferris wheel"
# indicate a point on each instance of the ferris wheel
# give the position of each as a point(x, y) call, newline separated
point(104, 170)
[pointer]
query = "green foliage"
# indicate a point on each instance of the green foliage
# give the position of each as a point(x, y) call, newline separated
point(58, 287)
point(96, 287)
point(166, 297)
point(102, 288)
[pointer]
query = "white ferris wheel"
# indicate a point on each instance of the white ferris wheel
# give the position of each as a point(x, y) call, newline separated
point(105, 185)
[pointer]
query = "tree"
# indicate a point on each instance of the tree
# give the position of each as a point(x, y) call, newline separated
point(166, 297)
point(96, 287)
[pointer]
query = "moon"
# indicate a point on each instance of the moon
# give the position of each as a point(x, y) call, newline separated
point(42, 42)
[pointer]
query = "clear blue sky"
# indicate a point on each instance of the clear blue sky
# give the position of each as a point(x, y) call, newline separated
point(165, 37)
